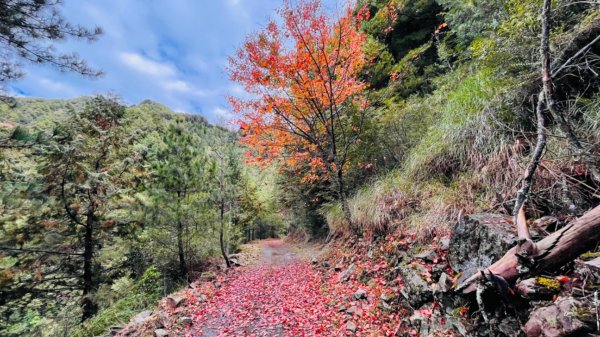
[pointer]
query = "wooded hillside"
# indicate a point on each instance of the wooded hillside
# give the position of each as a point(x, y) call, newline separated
point(442, 155)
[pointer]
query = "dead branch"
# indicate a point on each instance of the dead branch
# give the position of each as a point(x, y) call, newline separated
point(530, 259)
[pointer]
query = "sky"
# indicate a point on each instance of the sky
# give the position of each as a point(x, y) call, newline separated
point(170, 51)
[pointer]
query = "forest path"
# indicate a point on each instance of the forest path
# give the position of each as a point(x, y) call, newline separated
point(280, 295)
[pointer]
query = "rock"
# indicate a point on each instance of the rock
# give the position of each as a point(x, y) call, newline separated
point(478, 240)
point(444, 243)
point(142, 317)
point(428, 255)
point(161, 333)
point(325, 265)
point(438, 326)
point(594, 264)
point(360, 294)
point(217, 285)
point(416, 290)
point(353, 310)
point(163, 320)
point(587, 273)
point(345, 275)
point(314, 260)
point(351, 326)
point(386, 297)
point(402, 256)
point(538, 288)
point(444, 283)
point(176, 300)
point(565, 317)
point(185, 320)
point(385, 306)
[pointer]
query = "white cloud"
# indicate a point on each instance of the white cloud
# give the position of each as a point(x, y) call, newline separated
point(182, 86)
point(144, 65)
point(218, 111)
point(56, 87)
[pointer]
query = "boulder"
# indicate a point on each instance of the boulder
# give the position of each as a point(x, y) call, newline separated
point(565, 317)
point(478, 240)
point(416, 290)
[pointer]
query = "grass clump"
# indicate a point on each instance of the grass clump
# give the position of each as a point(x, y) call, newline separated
point(144, 294)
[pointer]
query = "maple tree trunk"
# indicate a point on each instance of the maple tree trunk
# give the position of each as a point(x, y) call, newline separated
point(546, 255)
point(344, 198)
point(88, 306)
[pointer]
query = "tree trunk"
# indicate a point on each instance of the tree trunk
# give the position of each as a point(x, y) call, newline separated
point(344, 199)
point(530, 259)
point(88, 306)
point(221, 236)
point(181, 252)
point(535, 158)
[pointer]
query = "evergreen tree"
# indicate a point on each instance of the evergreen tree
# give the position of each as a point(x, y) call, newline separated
point(180, 170)
point(85, 169)
point(27, 30)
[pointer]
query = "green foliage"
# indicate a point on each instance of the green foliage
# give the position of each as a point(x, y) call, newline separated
point(139, 158)
point(134, 298)
point(449, 126)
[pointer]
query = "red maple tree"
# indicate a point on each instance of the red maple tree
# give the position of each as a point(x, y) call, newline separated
point(306, 104)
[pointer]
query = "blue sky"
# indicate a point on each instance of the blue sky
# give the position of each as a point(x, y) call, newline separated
point(170, 51)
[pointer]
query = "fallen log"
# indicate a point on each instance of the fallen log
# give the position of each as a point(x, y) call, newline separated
point(528, 259)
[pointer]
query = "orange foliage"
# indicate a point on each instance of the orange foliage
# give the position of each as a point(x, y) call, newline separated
point(300, 75)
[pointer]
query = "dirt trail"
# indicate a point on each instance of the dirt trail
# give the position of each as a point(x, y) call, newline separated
point(276, 252)
point(270, 298)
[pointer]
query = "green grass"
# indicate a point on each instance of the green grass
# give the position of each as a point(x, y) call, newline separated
point(446, 169)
